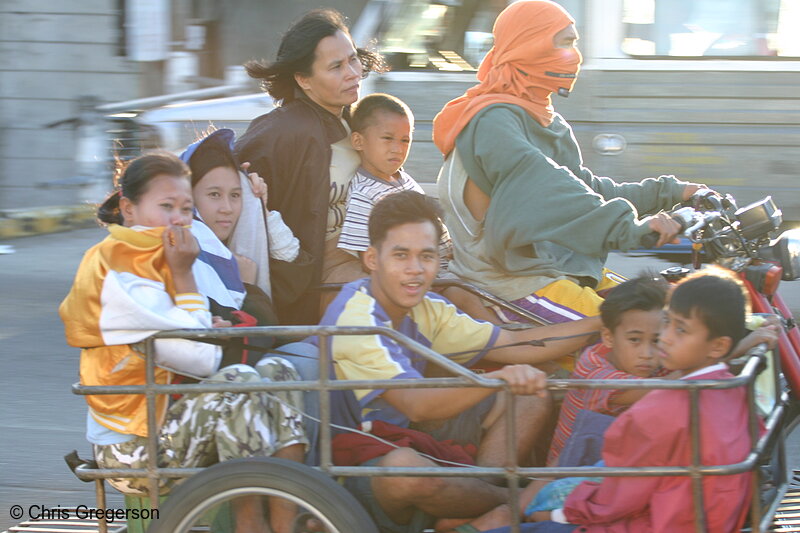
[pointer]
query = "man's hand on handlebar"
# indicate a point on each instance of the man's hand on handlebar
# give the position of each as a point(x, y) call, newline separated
point(666, 227)
point(690, 188)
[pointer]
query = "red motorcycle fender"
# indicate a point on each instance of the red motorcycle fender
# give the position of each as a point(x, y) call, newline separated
point(788, 341)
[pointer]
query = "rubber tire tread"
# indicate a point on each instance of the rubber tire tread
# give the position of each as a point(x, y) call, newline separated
point(305, 483)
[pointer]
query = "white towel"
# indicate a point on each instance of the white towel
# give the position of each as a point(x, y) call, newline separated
point(250, 235)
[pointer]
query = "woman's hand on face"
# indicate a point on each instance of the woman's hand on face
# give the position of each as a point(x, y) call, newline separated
point(257, 184)
point(180, 249)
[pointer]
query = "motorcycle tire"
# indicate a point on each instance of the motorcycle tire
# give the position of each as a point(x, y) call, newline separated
point(318, 495)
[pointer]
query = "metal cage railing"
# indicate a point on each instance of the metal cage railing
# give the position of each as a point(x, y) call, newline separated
point(760, 514)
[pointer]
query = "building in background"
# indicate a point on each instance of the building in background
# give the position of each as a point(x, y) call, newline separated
point(51, 53)
point(59, 59)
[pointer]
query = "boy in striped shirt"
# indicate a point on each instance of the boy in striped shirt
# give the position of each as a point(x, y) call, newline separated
point(382, 129)
point(383, 126)
point(631, 315)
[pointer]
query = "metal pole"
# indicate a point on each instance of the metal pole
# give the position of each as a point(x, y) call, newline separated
point(324, 404)
point(100, 494)
point(697, 478)
point(755, 510)
point(152, 422)
point(512, 475)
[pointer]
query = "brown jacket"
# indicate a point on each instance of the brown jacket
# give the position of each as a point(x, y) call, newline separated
point(290, 147)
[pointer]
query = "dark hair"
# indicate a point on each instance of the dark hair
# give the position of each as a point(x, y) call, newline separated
point(132, 179)
point(405, 207)
point(645, 293)
point(296, 54)
point(213, 152)
point(361, 117)
point(717, 297)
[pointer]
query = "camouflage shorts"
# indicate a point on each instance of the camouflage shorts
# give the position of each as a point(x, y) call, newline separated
point(203, 429)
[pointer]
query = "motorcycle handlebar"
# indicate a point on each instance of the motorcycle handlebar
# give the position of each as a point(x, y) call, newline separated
point(685, 216)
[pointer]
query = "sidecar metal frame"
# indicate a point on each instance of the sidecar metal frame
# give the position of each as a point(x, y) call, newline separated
point(761, 513)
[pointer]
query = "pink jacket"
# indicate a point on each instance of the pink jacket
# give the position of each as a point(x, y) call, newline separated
point(655, 432)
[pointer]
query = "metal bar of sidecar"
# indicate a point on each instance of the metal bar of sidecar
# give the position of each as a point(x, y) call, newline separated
point(697, 478)
point(152, 425)
point(472, 289)
point(465, 378)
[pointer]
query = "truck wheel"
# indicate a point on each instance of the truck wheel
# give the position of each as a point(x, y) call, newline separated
point(202, 500)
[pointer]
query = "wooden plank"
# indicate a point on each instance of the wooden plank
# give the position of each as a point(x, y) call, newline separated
point(41, 143)
point(110, 86)
point(62, 6)
point(19, 179)
point(722, 106)
point(687, 89)
point(654, 114)
point(772, 136)
point(27, 114)
point(67, 28)
point(426, 99)
point(688, 85)
point(63, 57)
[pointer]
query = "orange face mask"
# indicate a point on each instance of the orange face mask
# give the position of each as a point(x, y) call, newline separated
point(523, 68)
point(562, 71)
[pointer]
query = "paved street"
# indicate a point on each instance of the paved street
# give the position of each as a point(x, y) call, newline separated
point(40, 420)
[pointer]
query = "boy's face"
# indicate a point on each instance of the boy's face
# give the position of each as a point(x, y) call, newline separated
point(633, 342)
point(684, 343)
point(384, 144)
point(403, 267)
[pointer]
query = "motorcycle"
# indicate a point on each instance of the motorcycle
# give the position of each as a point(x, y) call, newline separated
point(744, 240)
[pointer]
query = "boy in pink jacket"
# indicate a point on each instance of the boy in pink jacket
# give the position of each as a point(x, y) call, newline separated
point(704, 321)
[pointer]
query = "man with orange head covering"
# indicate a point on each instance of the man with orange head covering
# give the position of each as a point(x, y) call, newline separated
point(529, 222)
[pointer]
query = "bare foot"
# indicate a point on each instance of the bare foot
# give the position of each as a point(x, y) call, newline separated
point(309, 523)
point(448, 524)
point(498, 517)
point(249, 515)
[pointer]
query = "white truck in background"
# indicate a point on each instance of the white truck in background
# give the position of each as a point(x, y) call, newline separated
point(707, 92)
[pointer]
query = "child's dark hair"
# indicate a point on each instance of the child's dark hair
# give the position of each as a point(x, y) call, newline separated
point(717, 297)
point(364, 114)
point(213, 151)
point(405, 207)
point(133, 179)
point(296, 54)
point(645, 292)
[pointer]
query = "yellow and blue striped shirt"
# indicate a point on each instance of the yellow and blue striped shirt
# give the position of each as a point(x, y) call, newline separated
point(434, 322)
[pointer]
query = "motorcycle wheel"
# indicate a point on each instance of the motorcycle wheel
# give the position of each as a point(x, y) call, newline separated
point(205, 494)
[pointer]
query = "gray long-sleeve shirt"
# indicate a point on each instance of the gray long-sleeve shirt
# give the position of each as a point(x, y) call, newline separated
point(549, 216)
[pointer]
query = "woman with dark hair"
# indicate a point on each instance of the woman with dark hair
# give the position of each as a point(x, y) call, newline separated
point(231, 208)
point(139, 280)
point(239, 237)
point(302, 149)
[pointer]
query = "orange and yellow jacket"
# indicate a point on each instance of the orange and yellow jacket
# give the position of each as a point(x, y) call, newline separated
point(123, 293)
